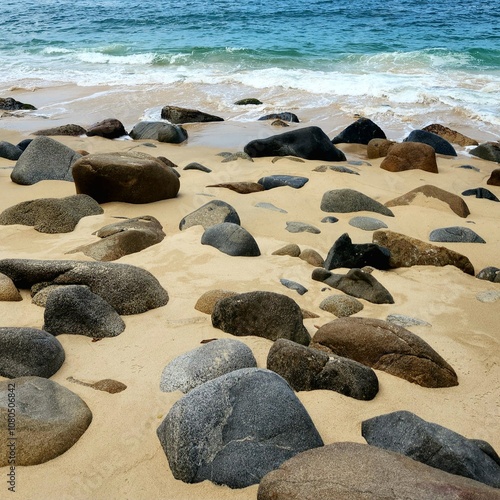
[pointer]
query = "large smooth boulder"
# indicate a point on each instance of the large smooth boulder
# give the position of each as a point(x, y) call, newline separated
point(487, 151)
point(212, 213)
point(130, 177)
point(10, 151)
point(410, 156)
point(440, 145)
point(234, 429)
point(450, 135)
point(159, 131)
point(349, 200)
point(110, 128)
point(264, 314)
point(231, 239)
point(362, 131)
point(455, 234)
point(387, 347)
point(176, 115)
point(310, 143)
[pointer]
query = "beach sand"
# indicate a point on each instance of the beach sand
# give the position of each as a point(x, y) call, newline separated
point(120, 456)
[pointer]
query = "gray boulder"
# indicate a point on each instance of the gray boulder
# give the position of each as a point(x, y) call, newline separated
point(176, 115)
point(10, 151)
point(159, 131)
point(274, 181)
point(286, 116)
point(236, 428)
point(212, 213)
point(455, 234)
point(440, 145)
point(231, 239)
point(29, 352)
point(487, 151)
point(350, 200)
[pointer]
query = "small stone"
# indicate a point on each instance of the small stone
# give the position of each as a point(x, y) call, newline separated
point(488, 296)
point(341, 305)
point(293, 285)
point(367, 223)
point(292, 249)
point(405, 321)
point(8, 291)
point(301, 227)
point(312, 257)
point(197, 166)
point(270, 206)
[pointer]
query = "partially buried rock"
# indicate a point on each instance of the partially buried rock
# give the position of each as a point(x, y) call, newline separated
point(70, 130)
point(293, 285)
point(207, 301)
point(234, 429)
point(10, 151)
point(274, 181)
point(212, 213)
point(264, 314)
point(292, 249)
point(50, 419)
point(205, 363)
point(378, 148)
point(8, 291)
point(487, 151)
point(341, 305)
point(312, 257)
point(29, 352)
point(176, 115)
point(10, 104)
point(362, 131)
point(403, 320)
point(406, 433)
point(387, 347)
point(307, 369)
point(285, 116)
point(410, 156)
point(248, 100)
point(494, 179)
point(455, 234)
point(489, 273)
point(440, 145)
point(159, 131)
point(480, 193)
point(51, 215)
point(450, 135)
point(197, 166)
point(301, 227)
point(350, 200)
point(131, 177)
point(367, 223)
point(110, 128)
point(241, 187)
point(231, 239)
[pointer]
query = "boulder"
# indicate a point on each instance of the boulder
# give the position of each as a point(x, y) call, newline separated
point(292, 249)
point(8, 291)
point(177, 115)
point(70, 130)
point(341, 305)
point(234, 429)
point(480, 193)
point(450, 135)
point(131, 177)
point(207, 301)
point(362, 131)
point(487, 151)
point(494, 179)
point(29, 352)
point(367, 223)
point(110, 128)
point(10, 104)
point(349, 200)
point(410, 156)
point(231, 239)
point(50, 419)
point(310, 143)
point(159, 131)
point(274, 181)
point(406, 433)
point(455, 234)
point(10, 151)
point(24, 144)
point(387, 347)
point(285, 117)
point(264, 314)
point(489, 273)
point(212, 213)
point(378, 148)
point(312, 257)
point(440, 145)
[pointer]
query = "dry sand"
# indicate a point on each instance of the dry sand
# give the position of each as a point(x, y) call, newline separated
point(119, 456)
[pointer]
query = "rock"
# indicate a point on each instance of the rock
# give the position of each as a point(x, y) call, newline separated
point(293, 250)
point(291, 158)
point(378, 148)
point(124, 238)
point(329, 220)
point(131, 177)
point(387, 347)
point(488, 296)
point(420, 195)
point(205, 363)
point(8, 291)
point(410, 156)
point(159, 131)
point(274, 181)
point(490, 273)
point(450, 135)
point(406, 252)
point(403, 320)
point(241, 187)
point(9, 151)
point(341, 305)
point(231, 239)
point(248, 100)
point(49, 419)
point(362, 131)
point(345, 253)
point(197, 166)
point(494, 179)
point(307, 369)
point(405, 433)
point(469, 167)
point(286, 117)
point(110, 128)
point(207, 301)
point(70, 130)
point(480, 193)
point(235, 429)
point(279, 123)
point(24, 144)
point(440, 145)
point(293, 285)
point(487, 151)
point(356, 283)
point(348, 200)
point(212, 213)
point(129, 289)
point(44, 159)
point(10, 104)
point(310, 143)
point(455, 234)
point(270, 206)
point(355, 471)
point(29, 352)
point(51, 215)
point(301, 227)
point(264, 314)
point(75, 310)
point(312, 257)
point(239, 155)
point(178, 115)
point(336, 168)
point(367, 223)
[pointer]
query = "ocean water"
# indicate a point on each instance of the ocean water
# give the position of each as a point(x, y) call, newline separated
point(399, 62)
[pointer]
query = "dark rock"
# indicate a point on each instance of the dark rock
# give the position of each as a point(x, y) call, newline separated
point(235, 429)
point(494, 179)
point(362, 131)
point(341, 305)
point(241, 187)
point(487, 151)
point(490, 273)
point(293, 285)
point(367, 223)
point(231, 239)
point(310, 143)
point(50, 419)
point(131, 177)
point(24, 144)
point(301, 227)
point(29, 352)
point(410, 156)
point(455, 234)
point(469, 167)
point(406, 433)
point(111, 128)
point(378, 148)
point(212, 213)
point(248, 100)
point(387, 347)
point(480, 193)
point(44, 159)
point(70, 130)
point(450, 135)
point(440, 145)
point(307, 369)
point(10, 104)
point(9, 151)
point(51, 215)
point(274, 181)
point(197, 166)
point(286, 117)
point(207, 362)
point(159, 131)
point(178, 115)
point(342, 170)
point(264, 314)
point(348, 200)
point(329, 220)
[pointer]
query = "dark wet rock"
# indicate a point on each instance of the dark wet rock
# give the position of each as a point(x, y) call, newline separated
point(8, 291)
point(264, 314)
point(270, 206)
point(274, 181)
point(480, 193)
point(24, 144)
point(197, 166)
point(367, 223)
point(378, 148)
point(131, 177)
point(329, 220)
point(405, 321)
point(10, 104)
point(29, 352)
point(349, 200)
point(355, 471)
point(293, 250)
point(51, 215)
point(345, 253)
point(50, 419)
point(248, 100)
point(387, 347)
point(44, 159)
point(301, 227)
point(110, 128)
point(407, 251)
point(455, 234)
point(341, 305)
point(406, 433)
point(416, 195)
point(356, 283)
point(10, 151)
point(310, 143)
point(307, 369)
point(293, 285)
point(207, 301)
point(362, 131)
point(440, 145)
point(490, 273)
point(487, 151)
point(231, 239)
point(494, 179)
point(69, 130)
point(204, 363)
point(176, 115)
point(236, 428)
point(129, 289)
point(286, 117)
point(450, 135)
point(159, 131)
point(212, 213)
point(241, 187)
point(410, 156)
point(312, 257)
